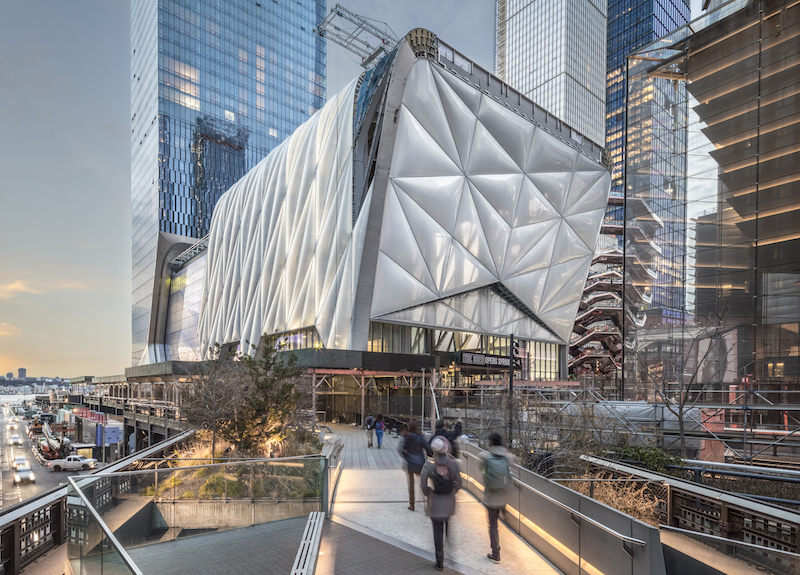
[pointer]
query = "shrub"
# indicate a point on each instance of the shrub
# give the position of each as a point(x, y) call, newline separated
point(214, 487)
point(634, 498)
point(650, 457)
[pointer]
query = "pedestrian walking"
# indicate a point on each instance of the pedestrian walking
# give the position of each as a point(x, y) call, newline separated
point(496, 469)
point(440, 480)
point(380, 427)
point(369, 425)
point(414, 449)
point(451, 435)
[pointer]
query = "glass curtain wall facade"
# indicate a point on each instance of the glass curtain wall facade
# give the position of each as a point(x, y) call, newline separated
point(737, 341)
point(654, 186)
point(596, 346)
point(215, 87)
point(554, 53)
point(185, 292)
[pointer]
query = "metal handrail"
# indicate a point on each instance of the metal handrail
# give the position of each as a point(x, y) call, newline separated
point(122, 553)
point(586, 517)
point(605, 528)
point(730, 541)
point(273, 460)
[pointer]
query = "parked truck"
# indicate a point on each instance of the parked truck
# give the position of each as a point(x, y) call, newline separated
point(72, 463)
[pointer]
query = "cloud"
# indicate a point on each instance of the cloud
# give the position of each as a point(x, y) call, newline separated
point(17, 287)
point(7, 330)
point(69, 285)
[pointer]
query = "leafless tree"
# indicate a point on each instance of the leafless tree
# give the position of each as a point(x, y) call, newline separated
point(697, 358)
point(552, 429)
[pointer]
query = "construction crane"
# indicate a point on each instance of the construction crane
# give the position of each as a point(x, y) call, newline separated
point(366, 41)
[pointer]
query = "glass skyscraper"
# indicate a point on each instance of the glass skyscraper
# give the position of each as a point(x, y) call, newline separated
point(215, 86)
point(554, 52)
point(631, 25)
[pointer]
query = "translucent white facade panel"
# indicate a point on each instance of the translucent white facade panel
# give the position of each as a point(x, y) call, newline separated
point(280, 256)
point(481, 210)
point(480, 311)
point(517, 207)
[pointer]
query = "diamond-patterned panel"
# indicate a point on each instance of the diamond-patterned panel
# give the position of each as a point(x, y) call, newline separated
point(528, 216)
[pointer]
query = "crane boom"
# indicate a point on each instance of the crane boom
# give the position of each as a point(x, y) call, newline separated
point(365, 40)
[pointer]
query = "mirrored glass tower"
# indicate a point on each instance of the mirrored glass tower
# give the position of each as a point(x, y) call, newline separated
point(214, 88)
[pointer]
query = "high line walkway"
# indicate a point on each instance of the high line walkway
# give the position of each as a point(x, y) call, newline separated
point(372, 498)
point(370, 530)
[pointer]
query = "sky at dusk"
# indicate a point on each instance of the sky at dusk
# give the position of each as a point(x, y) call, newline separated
point(65, 285)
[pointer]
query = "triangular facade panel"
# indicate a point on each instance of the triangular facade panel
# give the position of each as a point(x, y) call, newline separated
point(514, 136)
point(418, 154)
point(440, 197)
point(426, 106)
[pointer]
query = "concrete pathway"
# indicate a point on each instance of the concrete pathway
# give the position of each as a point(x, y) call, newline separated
point(372, 496)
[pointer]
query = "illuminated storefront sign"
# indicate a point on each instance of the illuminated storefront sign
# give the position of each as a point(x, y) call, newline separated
point(484, 360)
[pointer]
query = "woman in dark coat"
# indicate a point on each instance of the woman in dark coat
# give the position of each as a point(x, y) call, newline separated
point(440, 480)
point(414, 449)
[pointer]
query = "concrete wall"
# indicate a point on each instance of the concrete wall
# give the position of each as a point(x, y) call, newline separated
point(199, 514)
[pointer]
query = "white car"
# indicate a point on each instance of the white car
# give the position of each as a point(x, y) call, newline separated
point(24, 473)
point(20, 460)
point(15, 439)
point(72, 463)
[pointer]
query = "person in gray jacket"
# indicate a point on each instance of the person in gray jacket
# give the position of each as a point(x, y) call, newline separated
point(496, 466)
point(369, 425)
point(440, 480)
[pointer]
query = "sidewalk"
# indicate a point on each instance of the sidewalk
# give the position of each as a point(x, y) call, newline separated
point(372, 495)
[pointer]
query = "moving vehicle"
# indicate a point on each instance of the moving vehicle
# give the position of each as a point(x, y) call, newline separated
point(24, 473)
point(72, 463)
point(15, 439)
point(19, 460)
point(12, 426)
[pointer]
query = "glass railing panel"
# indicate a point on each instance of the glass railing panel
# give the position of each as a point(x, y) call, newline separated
point(751, 558)
point(90, 548)
point(158, 505)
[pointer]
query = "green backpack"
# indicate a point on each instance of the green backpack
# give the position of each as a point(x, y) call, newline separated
point(496, 474)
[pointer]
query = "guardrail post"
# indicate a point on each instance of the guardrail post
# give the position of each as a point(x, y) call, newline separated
point(628, 548)
point(15, 541)
point(670, 509)
point(60, 520)
point(326, 485)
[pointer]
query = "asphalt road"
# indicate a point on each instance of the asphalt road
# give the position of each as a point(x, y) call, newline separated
point(46, 478)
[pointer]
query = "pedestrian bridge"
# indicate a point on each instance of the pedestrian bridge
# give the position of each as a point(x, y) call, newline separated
point(264, 517)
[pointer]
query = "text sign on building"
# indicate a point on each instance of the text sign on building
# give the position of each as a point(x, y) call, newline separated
point(484, 360)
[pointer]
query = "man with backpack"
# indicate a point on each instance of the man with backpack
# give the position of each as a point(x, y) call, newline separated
point(440, 480)
point(496, 467)
point(369, 425)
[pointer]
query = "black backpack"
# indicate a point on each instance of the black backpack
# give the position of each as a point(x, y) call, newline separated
point(442, 481)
